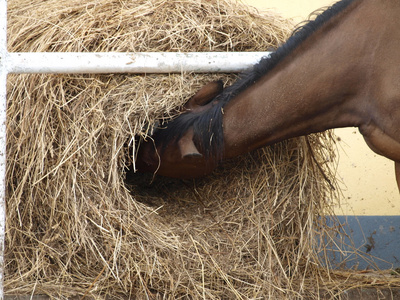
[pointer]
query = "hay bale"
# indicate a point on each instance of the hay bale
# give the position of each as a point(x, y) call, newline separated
point(75, 227)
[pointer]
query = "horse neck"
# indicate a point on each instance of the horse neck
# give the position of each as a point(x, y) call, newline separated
point(315, 88)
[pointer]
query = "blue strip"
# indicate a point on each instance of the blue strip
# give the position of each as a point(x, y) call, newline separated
point(375, 238)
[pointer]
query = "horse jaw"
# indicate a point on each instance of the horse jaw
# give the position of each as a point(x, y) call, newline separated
point(179, 159)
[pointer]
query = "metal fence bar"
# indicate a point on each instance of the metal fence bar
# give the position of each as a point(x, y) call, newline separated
point(140, 62)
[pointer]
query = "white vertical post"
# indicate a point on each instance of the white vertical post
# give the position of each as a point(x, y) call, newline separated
point(3, 104)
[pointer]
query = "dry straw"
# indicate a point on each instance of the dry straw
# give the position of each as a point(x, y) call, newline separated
point(75, 227)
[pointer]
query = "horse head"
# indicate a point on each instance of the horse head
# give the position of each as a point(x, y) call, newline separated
point(173, 152)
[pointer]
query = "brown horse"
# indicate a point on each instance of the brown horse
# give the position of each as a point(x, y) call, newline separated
point(340, 70)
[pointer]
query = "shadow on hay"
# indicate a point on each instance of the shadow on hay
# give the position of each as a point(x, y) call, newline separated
point(249, 201)
point(230, 181)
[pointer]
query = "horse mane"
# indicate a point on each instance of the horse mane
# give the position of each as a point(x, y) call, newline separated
point(207, 126)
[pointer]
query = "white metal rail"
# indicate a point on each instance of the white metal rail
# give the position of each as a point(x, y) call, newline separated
point(141, 62)
point(149, 62)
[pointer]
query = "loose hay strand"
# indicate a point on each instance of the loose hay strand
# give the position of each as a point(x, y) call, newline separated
point(75, 227)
